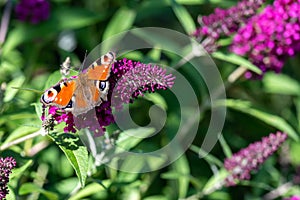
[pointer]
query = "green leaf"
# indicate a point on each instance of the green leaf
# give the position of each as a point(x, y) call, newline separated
point(157, 99)
point(226, 149)
point(215, 182)
point(184, 17)
point(127, 141)
point(191, 2)
point(156, 197)
point(156, 39)
point(20, 132)
point(210, 159)
point(294, 149)
point(121, 21)
point(181, 166)
point(281, 84)
point(78, 159)
point(18, 172)
point(10, 92)
point(90, 190)
point(11, 195)
point(238, 60)
point(53, 79)
point(270, 119)
point(29, 188)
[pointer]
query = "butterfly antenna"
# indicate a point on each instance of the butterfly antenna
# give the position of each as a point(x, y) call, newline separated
point(83, 63)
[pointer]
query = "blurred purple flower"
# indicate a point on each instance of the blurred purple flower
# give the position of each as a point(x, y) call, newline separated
point(269, 38)
point(128, 80)
point(33, 11)
point(6, 165)
point(250, 158)
point(224, 22)
point(294, 198)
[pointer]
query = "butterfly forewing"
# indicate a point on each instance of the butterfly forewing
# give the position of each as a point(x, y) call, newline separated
point(60, 94)
point(100, 69)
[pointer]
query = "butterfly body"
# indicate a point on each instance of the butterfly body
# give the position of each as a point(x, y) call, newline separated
point(81, 94)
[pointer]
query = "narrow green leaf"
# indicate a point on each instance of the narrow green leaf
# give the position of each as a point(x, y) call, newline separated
point(127, 141)
point(238, 60)
point(156, 197)
point(121, 21)
point(281, 84)
point(11, 194)
point(184, 17)
point(90, 190)
point(210, 159)
point(191, 2)
point(157, 99)
point(156, 39)
point(215, 182)
point(226, 149)
point(78, 159)
point(53, 79)
point(297, 105)
point(17, 172)
point(181, 166)
point(29, 188)
point(10, 92)
point(273, 120)
point(20, 132)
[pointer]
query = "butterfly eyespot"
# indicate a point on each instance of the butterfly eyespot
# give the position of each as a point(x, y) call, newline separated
point(102, 85)
point(49, 96)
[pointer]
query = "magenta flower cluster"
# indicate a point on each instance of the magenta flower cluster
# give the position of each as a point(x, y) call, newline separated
point(250, 158)
point(295, 197)
point(6, 165)
point(135, 78)
point(33, 11)
point(128, 80)
point(269, 38)
point(224, 22)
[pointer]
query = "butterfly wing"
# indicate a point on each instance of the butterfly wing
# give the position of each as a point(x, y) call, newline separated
point(60, 94)
point(92, 87)
point(100, 69)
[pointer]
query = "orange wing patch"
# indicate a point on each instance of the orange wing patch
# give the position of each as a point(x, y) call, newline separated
point(100, 72)
point(64, 96)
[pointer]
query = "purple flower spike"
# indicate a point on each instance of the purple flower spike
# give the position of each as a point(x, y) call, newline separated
point(33, 11)
point(135, 78)
point(225, 22)
point(250, 158)
point(269, 38)
point(6, 165)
